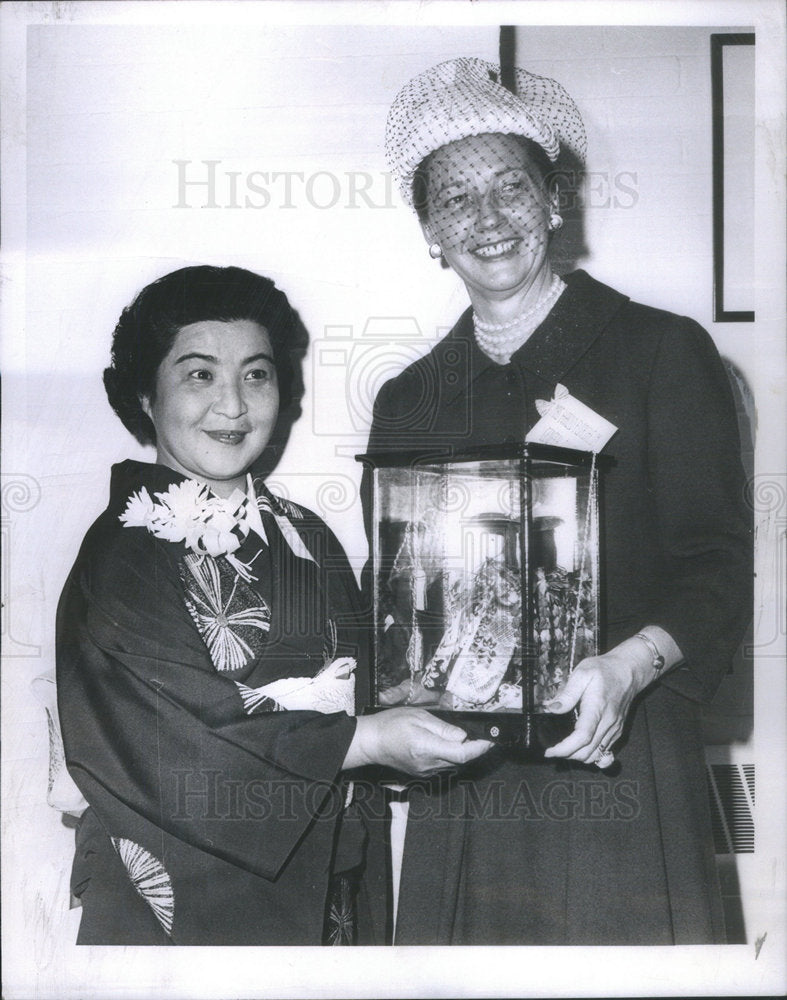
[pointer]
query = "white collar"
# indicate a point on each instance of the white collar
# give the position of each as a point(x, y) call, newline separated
point(254, 521)
point(253, 518)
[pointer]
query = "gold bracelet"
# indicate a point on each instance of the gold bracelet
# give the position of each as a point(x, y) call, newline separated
point(658, 659)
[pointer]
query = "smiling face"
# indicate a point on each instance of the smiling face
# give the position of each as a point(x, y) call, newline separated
point(216, 402)
point(487, 210)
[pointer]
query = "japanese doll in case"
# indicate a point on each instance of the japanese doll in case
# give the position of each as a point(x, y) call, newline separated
point(486, 589)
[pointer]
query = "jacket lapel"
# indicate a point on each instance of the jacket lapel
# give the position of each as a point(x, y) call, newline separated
point(574, 324)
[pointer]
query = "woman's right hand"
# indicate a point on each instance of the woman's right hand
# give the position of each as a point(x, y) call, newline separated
point(411, 740)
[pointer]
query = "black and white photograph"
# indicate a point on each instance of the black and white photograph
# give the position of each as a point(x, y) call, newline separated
point(393, 499)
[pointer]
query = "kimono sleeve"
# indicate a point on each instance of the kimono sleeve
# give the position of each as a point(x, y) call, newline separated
point(147, 719)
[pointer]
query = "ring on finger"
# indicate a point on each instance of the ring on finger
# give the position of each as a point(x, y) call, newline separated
point(604, 757)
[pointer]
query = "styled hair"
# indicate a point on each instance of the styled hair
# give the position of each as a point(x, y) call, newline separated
point(147, 329)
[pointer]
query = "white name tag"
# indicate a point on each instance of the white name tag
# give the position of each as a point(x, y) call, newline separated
point(569, 424)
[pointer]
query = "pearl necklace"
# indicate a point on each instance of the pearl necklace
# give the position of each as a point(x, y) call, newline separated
point(499, 340)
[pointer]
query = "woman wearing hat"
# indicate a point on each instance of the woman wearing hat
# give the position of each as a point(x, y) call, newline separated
point(564, 851)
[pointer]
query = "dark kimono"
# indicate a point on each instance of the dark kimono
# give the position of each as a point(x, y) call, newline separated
point(559, 852)
point(215, 817)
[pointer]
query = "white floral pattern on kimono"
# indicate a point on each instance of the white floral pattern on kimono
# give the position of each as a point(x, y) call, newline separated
point(150, 878)
point(230, 616)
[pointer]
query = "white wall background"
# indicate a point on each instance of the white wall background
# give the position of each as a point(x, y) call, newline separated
point(96, 125)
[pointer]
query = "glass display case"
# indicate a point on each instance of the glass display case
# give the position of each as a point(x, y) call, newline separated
point(485, 584)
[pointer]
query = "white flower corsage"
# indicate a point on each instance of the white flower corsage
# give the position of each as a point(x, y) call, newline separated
point(188, 513)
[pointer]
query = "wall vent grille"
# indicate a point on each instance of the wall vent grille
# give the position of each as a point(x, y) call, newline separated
point(731, 788)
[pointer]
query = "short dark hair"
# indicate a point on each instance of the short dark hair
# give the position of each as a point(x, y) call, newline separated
point(420, 186)
point(147, 329)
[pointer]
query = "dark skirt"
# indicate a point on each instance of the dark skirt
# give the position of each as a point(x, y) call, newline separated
point(556, 853)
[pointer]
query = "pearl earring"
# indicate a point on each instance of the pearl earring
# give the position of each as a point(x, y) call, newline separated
point(555, 222)
point(435, 252)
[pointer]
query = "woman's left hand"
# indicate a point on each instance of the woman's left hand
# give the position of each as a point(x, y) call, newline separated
point(604, 687)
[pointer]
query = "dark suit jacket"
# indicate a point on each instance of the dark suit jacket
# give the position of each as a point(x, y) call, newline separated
point(677, 542)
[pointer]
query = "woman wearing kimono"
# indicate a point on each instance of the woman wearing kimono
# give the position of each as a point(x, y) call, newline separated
point(207, 645)
point(565, 850)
